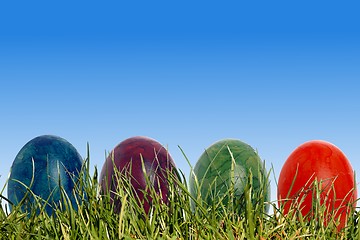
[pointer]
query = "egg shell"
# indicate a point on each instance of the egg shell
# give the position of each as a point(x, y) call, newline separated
point(213, 173)
point(127, 159)
point(44, 165)
point(327, 164)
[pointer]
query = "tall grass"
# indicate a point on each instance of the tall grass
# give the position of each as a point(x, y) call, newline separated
point(183, 217)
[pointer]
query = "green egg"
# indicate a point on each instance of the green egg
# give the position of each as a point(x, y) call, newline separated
point(228, 169)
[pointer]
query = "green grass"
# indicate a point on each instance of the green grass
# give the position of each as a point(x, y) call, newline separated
point(184, 217)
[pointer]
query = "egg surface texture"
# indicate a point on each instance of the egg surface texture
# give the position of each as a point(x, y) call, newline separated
point(318, 171)
point(228, 166)
point(140, 164)
point(44, 166)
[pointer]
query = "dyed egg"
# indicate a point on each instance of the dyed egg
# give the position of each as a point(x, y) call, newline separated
point(327, 164)
point(45, 166)
point(143, 162)
point(225, 165)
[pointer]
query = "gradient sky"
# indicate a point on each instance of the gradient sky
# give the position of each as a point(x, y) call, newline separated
point(271, 73)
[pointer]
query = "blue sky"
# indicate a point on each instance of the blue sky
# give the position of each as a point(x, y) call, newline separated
point(273, 74)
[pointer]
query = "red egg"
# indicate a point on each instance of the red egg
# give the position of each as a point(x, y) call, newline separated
point(325, 163)
point(131, 157)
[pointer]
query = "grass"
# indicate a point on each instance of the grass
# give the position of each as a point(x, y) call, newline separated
point(184, 217)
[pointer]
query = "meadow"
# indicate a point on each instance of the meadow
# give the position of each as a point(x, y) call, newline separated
point(182, 217)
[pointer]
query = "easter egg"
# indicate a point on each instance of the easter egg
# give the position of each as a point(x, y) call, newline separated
point(145, 164)
point(318, 165)
point(230, 165)
point(44, 168)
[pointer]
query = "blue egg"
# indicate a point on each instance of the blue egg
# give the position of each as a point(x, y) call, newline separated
point(46, 168)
